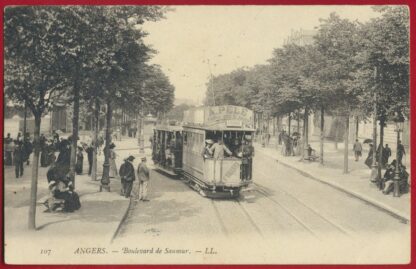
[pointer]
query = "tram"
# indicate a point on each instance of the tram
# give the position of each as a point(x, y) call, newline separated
point(218, 128)
point(167, 148)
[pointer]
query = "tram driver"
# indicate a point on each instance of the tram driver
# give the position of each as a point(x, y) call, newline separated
point(218, 149)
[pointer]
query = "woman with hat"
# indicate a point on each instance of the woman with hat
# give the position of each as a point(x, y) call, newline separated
point(113, 165)
point(127, 176)
point(80, 161)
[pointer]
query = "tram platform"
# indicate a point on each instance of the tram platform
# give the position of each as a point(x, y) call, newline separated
point(356, 183)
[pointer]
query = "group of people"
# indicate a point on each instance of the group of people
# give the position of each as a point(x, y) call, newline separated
point(388, 179)
point(291, 144)
point(384, 151)
point(128, 177)
point(217, 150)
point(17, 152)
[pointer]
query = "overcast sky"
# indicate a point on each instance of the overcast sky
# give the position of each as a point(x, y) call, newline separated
point(194, 39)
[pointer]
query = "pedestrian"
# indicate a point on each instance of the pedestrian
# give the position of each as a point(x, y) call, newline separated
point(357, 148)
point(43, 151)
point(127, 176)
point(18, 157)
point(113, 165)
point(27, 148)
point(386, 155)
point(369, 160)
point(90, 154)
point(400, 152)
point(64, 157)
point(80, 161)
point(8, 150)
point(144, 178)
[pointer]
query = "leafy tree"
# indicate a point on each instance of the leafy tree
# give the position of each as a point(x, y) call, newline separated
point(34, 70)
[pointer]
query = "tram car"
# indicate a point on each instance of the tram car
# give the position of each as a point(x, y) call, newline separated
point(217, 150)
point(167, 148)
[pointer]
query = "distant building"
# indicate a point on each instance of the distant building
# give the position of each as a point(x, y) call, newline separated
point(301, 37)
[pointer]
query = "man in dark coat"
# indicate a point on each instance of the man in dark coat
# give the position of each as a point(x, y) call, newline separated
point(400, 152)
point(27, 148)
point(386, 155)
point(18, 157)
point(90, 154)
point(127, 176)
point(64, 157)
point(8, 149)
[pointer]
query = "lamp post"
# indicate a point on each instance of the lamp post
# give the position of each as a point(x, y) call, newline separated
point(399, 121)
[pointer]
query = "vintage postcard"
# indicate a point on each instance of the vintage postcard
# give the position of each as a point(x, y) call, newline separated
point(239, 134)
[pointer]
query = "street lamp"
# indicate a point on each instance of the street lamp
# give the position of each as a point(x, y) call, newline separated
point(399, 124)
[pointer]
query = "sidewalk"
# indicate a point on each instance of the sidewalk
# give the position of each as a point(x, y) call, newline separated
point(98, 217)
point(356, 182)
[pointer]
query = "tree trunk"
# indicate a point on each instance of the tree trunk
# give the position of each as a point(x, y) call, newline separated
point(374, 164)
point(304, 137)
point(74, 134)
point(322, 136)
point(298, 120)
point(95, 139)
point(274, 126)
point(35, 169)
point(346, 136)
point(289, 121)
point(105, 180)
point(25, 123)
point(357, 125)
point(380, 154)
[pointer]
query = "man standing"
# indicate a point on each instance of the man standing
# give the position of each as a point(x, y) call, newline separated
point(400, 152)
point(357, 148)
point(218, 149)
point(90, 154)
point(143, 175)
point(127, 176)
point(18, 157)
point(8, 148)
point(386, 155)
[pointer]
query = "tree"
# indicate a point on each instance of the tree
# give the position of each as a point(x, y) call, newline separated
point(34, 71)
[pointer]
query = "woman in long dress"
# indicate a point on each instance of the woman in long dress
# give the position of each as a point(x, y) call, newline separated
point(113, 165)
point(80, 161)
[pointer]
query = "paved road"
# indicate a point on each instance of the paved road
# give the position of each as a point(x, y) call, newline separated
point(281, 203)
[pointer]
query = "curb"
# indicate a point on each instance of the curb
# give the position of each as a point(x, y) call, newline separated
point(123, 219)
point(387, 209)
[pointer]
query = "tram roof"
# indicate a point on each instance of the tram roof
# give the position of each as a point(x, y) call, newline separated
point(219, 127)
point(169, 128)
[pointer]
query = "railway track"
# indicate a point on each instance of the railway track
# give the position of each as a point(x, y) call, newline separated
point(263, 191)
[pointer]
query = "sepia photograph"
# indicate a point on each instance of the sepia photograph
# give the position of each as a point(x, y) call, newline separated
point(206, 134)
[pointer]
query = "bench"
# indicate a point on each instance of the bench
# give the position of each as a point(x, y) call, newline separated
point(313, 156)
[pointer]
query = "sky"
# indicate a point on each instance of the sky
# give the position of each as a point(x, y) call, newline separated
point(195, 41)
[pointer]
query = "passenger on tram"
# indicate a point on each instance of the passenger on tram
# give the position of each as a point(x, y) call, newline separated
point(218, 150)
point(168, 155)
point(205, 151)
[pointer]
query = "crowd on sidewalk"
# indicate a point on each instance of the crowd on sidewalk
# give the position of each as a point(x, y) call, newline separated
point(293, 145)
point(55, 155)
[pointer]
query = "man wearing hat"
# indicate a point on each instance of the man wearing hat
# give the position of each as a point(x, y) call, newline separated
point(205, 151)
point(143, 175)
point(127, 176)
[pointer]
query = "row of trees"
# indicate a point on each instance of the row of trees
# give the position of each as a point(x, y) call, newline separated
point(349, 68)
point(83, 54)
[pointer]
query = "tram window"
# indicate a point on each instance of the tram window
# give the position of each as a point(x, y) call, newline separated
point(185, 138)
